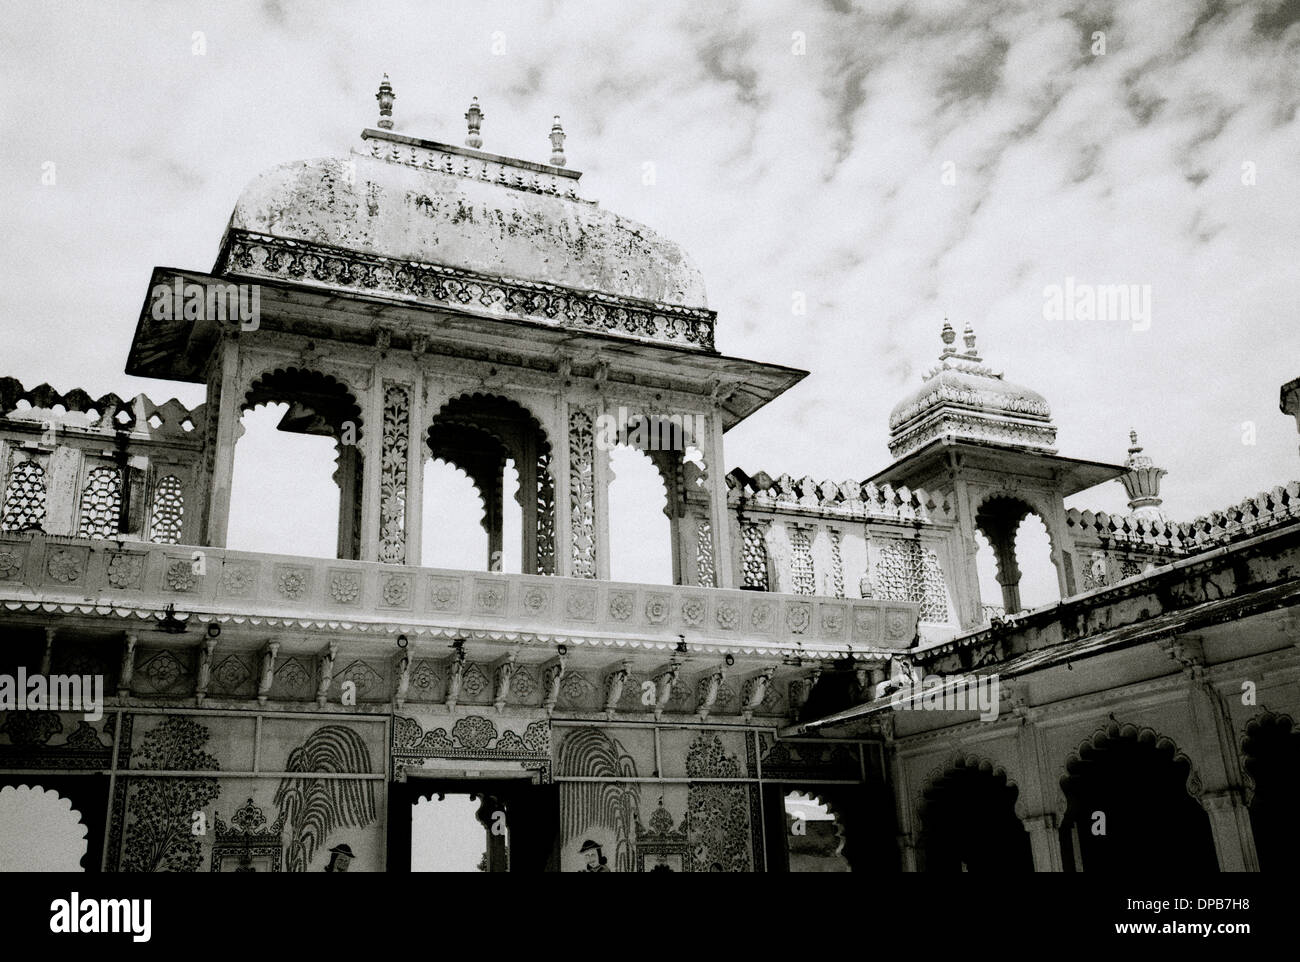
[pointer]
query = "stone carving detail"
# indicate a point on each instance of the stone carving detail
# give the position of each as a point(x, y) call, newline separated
point(656, 609)
point(180, 575)
point(64, 566)
point(582, 494)
point(761, 617)
point(397, 591)
point(536, 601)
point(101, 503)
point(345, 587)
point(693, 612)
point(236, 579)
point(168, 511)
point(24, 504)
point(545, 516)
point(728, 615)
point(11, 564)
point(705, 573)
point(231, 673)
point(908, 571)
point(453, 287)
point(292, 677)
point(621, 605)
point(837, 566)
point(444, 594)
point(292, 583)
point(798, 616)
point(580, 604)
point(803, 579)
point(163, 671)
point(392, 482)
point(123, 570)
point(754, 556)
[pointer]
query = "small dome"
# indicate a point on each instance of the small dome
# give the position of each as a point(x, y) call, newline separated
point(409, 211)
point(957, 388)
point(961, 398)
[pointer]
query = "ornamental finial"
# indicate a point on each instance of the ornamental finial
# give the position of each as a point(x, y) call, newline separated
point(968, 336)
point(948, 335)
point(557, 143)
point(474, 117)
point(385, 98)
point(1133, 441)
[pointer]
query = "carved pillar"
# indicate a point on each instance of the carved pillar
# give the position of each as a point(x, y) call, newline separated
point(415, 475)
point(372, 451)
point(582, 548)
point(1045, 842)
point(1234, 841)
point(223, 405)
point(393, 465)
point(719, 515)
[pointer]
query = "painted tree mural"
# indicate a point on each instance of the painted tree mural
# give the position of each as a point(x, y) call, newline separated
point(160, 835)
point(314, 808)
point(612, 806)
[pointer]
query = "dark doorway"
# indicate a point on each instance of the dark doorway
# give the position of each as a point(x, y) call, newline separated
point(497, 825)
point(1272, 750)
point(1129, 809)
point(969, 822)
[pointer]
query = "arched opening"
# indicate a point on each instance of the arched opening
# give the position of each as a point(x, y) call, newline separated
point(299, 448)
point(969, 822)
point(815, 835)
point(1015, 550)
point(658, 506)
point(488, 462)
point(40, 831)
point(1128, 807)
point(447, 836)
point(1272, 759)
point(640, 528)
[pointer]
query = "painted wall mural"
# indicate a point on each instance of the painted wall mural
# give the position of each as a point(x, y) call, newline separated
point(599, 816)
point(643, 826)
point(314, 809)
point(717, 815)
point(159, 836)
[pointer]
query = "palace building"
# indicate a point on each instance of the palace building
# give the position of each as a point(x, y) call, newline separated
point(822, 687)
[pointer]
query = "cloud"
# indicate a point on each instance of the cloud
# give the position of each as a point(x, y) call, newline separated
point(819, 172)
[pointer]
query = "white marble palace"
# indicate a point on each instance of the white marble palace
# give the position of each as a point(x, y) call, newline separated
point(822, 687)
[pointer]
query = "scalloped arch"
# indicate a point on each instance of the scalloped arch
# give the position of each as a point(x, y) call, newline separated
point(285, 384)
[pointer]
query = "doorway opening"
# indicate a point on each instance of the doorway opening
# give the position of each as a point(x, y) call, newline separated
point(473, 825)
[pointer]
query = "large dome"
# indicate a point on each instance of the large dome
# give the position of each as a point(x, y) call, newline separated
point(401, 206)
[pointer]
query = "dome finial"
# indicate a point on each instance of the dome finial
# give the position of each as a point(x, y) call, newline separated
point(968, 336)
point(948, 335)
point(474, 117)
point(1134, 448)
point(557, 143)
point(385, 98)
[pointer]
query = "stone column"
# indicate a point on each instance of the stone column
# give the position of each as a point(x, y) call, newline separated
point(1234, 840)
point(224, 405)
point(717, 477)
point(1045, 841)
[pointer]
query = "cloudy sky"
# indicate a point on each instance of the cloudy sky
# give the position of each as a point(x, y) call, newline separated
point(799, 148)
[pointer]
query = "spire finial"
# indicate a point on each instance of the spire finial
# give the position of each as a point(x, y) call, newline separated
point(968, 336)
point(474, 118)
point(385, 98)
point(948, 335)
point(557, 143)
point(1134, 448)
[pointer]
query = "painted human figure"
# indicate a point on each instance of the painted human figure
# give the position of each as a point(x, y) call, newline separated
point(596, 861)
point(340, 858)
